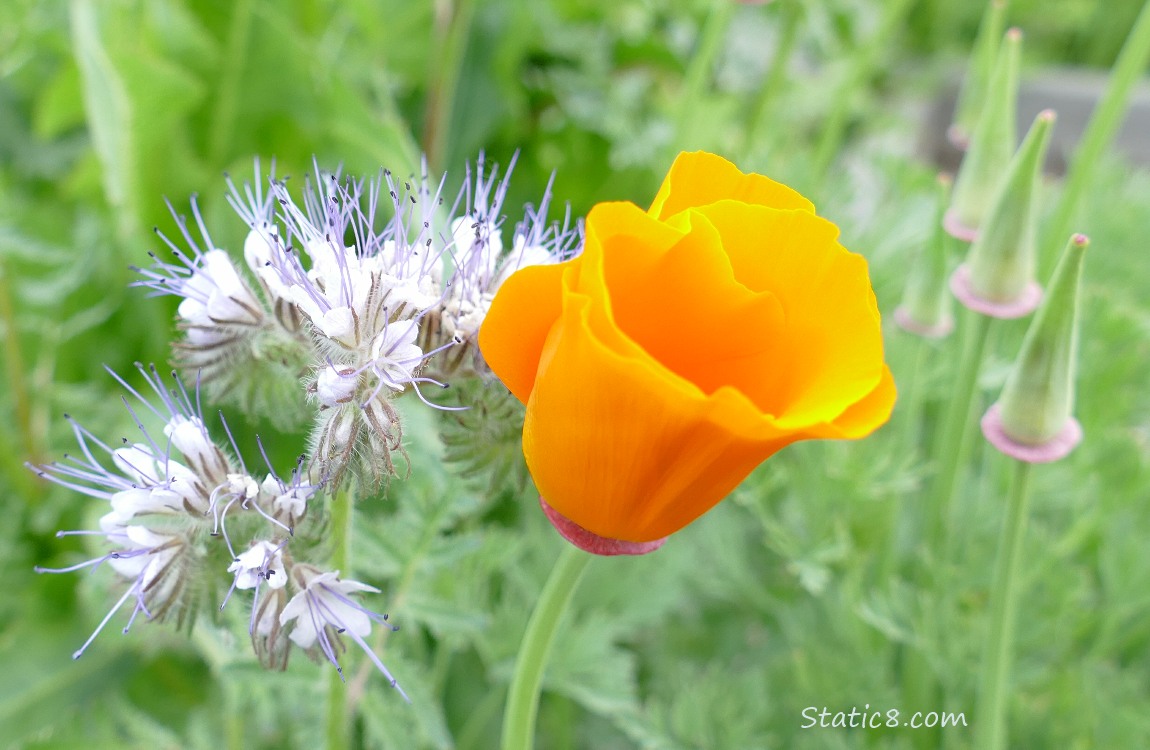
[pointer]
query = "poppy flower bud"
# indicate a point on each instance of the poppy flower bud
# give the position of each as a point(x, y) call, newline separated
point(1032, 420)
point(998, 277)
point(925, 309)
point(978, 73)
point(991, 146)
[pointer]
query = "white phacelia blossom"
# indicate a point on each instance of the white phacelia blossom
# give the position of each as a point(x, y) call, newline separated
point(364, 289)
point(169, 499)
point(322, 611)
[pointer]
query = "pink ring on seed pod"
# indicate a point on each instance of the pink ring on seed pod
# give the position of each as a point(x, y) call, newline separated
point(939, 330)
point(955, 228)
point(1024, 305)
point(591, 542)
point(1053, 449)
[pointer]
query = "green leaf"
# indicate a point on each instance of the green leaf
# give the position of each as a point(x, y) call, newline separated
point(109, 111)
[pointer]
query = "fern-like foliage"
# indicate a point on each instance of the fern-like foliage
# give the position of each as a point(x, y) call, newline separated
point(484, 443)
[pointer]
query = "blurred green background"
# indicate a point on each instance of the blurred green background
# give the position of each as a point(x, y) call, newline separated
point(776, 601)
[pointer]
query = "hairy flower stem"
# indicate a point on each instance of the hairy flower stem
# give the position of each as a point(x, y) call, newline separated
point(341, 520)
point(790, 12)
point(523, 696)
point(1103, 125)
point(990, 731)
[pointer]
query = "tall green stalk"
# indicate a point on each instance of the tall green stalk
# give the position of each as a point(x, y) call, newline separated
point(341, 519)
point(523, 696)
point(448, 65)
point(866, 60)
point(907, 443)
point(1129, 66)
point(952, 446)
point(15, 374)
point(232, 70)
point(700, 69)
point(990, 720)
point(790, 12)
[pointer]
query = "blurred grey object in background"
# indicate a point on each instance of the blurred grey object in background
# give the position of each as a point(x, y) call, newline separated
point(1070, 92)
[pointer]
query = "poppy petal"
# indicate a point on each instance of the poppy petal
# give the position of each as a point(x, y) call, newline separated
point(621, 446)
point(684, 307)
point(699, 178)
point(513, 332)
point(831, 346)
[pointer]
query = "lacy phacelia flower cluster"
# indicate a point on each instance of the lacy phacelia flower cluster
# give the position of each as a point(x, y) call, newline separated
point(355, 294)
point(174, 505)
point(363, 290)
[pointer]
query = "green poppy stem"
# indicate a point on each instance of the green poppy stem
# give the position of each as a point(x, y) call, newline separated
point(1131, 62)
point(990, 732)
point(952, 446)
point(341, 520)
point(523, 696)
point(953, 443)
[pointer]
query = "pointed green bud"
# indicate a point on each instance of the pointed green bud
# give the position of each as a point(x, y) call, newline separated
point(1033, 419)
point(926, 304)
point(976, 82)
point(1000, 269)
point(991, 145)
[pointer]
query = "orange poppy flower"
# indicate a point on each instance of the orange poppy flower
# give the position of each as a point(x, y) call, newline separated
point(683, 347)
